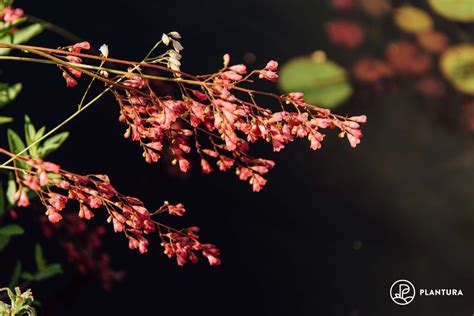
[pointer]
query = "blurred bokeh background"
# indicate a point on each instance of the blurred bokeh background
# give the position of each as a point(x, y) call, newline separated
point(334, 228)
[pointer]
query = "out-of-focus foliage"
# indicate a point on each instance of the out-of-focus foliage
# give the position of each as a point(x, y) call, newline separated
point(457, 10)
point(412, 20)
point(323, 82)
point(457, 65)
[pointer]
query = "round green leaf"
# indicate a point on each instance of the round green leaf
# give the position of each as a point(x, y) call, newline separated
point(457, 10)
point(323, 82)
point(457, 65)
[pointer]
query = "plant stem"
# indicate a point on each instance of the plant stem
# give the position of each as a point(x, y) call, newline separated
point(57, 127)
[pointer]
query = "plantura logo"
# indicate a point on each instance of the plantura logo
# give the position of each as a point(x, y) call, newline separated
point(403, 292)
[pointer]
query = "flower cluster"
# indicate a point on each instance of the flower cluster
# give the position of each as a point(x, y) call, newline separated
point(69, 73)
point(214, 115)
point(10, 15)
point(57, 187)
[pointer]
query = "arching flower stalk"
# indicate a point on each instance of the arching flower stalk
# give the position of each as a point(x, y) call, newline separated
point(56, 188)
point(216, 113)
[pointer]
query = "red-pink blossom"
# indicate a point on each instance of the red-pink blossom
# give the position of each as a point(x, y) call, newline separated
point(10, 14)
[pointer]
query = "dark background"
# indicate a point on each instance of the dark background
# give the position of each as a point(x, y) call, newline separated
point(331, 231)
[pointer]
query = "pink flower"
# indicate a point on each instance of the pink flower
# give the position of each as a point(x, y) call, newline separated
point(53, 216)
point(10, 14)
point(205, 166)
point(76, 48)
point(272, 65)
point(269, 75)
point(258, 182)
point(240, 69)
point(70, 81)
point(22, 198)
point(177, 210)
point(85, 212)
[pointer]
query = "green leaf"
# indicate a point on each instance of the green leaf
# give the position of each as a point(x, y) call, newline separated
point(49, 271)
point(5, 119)
point(40, 133)
point(15, 275)
point(16, 146)
point(39, 257)
point(5, 3)
point(457, 64)
point(30, 131)
point(462, 11)
point(4, 240)
point(8, 93)
point(21, 36)
point(15, 142)
point(11, 189)
point(27, 276)
point(11, 230)
point(52, 144)
point(323, 82)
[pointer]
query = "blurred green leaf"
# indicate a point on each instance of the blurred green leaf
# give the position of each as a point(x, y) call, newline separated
point(11, 189)
point(462, 11)
point(457, 65)
point(27, 276)
point(5, 119)
point(323, 82)
point(11, 230)
point(4, 240)
point(39, 258)
point(20, 36)
point(8, 93)
point(15, 275)
point(52, 144)
point(48, 272)
point(5, 3)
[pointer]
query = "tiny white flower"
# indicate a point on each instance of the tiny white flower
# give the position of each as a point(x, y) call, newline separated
point(226, 60)
point(104, 50)
point(165, 39)
point(177, 46)
point(175, 61)
point(174, 54)
point(175, 35)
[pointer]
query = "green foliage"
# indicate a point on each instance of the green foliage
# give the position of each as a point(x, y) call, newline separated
point(457, 66)
point(52, 144)
point(323, 82)
point(8, 93)
point(462, 11)
point(11, 230)
point(16, 146)
point(44, 270)
point(20, 36)
point(8, 231)
point(11, 189)
point(20, 303)
point(40, 149)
